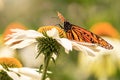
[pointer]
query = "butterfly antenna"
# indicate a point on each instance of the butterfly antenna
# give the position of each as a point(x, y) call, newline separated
point(59, 26)
point(61, 17)
point(55, 17)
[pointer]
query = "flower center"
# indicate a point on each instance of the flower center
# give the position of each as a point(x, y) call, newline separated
point(46, 28)
point(47, 46)
point(10, 62)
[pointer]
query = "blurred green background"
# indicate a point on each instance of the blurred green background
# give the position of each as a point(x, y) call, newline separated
point(36, 13)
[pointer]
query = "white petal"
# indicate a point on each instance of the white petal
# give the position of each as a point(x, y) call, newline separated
point(25, 74)
point(84, 47)
point(24, 34)
point(89, 51)
point(30, 72)
point(53, 33)
point(17, 34)
point(24, 43)
point(65, 43)
point(14, 76)
point(26, 37)
point(92, 46)
point(11, 41)
point(33, 34)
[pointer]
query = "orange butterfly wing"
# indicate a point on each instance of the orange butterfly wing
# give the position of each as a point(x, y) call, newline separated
point(77, 33)
point(80, 34)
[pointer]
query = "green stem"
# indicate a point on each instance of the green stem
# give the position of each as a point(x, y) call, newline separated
point(45, 66)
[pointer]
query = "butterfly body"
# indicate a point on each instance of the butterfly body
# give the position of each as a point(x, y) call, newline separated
point(74, 32)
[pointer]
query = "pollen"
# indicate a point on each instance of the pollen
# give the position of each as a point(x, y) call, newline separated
point(46, 28)
point(10, 62)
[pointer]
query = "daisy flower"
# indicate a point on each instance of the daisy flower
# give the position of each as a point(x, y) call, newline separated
point(22, 38)
point(11, 69)
point(22, 73)
point(48, 43)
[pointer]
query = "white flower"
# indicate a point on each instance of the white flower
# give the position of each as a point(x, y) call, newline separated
point(23, 73)
point(27, 37)
point(22, 38)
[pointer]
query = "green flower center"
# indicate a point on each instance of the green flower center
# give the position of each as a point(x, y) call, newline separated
point(47, 46)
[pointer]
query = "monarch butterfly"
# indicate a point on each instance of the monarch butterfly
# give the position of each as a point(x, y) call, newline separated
point(74, 32)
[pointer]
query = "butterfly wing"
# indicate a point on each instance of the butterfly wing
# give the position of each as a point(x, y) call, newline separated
point(80, 34)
